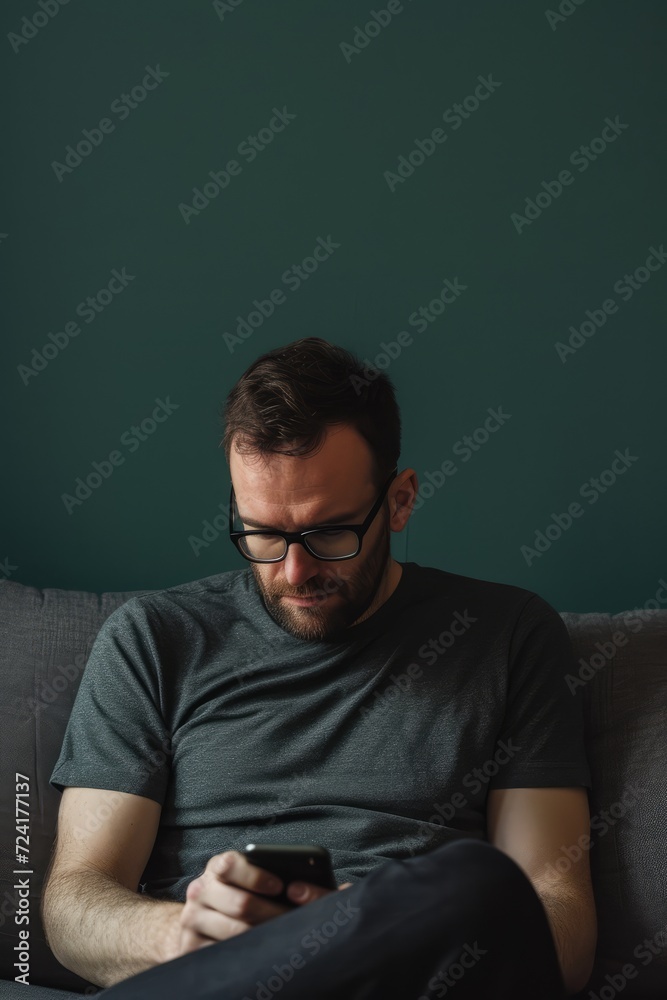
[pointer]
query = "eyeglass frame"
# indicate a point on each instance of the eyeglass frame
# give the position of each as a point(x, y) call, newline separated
point(299, 536)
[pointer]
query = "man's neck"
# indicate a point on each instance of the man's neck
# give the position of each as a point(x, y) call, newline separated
point(385, 590)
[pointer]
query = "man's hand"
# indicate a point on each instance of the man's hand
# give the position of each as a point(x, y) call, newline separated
point(231, 896)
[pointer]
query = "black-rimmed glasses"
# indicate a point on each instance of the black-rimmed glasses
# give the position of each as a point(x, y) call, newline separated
point(327, 541)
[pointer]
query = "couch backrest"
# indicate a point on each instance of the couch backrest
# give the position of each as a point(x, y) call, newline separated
point(621, 661)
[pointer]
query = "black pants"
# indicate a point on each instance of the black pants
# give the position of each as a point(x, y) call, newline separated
point(462, 921)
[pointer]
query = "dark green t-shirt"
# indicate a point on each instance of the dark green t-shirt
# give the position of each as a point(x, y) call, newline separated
point(380, 746)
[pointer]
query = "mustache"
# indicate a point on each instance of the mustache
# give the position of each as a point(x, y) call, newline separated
point(332, 585)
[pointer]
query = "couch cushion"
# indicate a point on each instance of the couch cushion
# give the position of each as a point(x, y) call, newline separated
point(45, 639)
point(622, 666)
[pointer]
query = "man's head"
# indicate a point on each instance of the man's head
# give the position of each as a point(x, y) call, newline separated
point(306, 447)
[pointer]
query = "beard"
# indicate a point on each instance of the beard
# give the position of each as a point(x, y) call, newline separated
point(350, 595)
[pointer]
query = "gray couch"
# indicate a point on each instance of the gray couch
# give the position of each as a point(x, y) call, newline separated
point(46, 637)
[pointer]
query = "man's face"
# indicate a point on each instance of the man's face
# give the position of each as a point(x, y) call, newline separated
point(333, 486)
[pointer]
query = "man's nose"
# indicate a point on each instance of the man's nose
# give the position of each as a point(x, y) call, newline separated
point(300, 565)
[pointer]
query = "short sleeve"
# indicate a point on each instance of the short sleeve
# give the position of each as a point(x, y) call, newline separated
point(543, 726)
point(116, 736)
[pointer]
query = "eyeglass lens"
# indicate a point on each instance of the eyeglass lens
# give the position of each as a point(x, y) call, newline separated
point(323, 544)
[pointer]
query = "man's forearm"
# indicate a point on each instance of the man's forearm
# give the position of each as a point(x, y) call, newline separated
point(105, 932)
point(570, 920)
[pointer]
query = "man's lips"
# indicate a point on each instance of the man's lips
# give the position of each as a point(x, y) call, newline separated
point(306, 602)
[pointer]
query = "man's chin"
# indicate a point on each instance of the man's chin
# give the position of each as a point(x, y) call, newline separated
point(328, 619)
point(311, 621)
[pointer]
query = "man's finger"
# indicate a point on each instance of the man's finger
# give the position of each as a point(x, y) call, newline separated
point(234, 868)
point(191, 940)
point(306, 892)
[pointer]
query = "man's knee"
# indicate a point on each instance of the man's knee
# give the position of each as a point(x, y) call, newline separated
point(483, 874)
point(474, 856)
point(487, 881)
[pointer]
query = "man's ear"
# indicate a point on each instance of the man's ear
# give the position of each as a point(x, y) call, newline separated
point(404, 498)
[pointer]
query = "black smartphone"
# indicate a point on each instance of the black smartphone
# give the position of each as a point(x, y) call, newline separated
point(293, 863)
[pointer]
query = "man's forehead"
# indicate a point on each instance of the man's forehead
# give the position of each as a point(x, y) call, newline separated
point(274, 503)
point(294, 480)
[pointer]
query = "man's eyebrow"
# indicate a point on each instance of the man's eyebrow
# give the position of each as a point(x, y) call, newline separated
point(339, 519)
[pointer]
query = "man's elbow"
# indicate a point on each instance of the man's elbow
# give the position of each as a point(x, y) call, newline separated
point(573, 921)
point(49, 917)
point(581, 968)
point(45, 910)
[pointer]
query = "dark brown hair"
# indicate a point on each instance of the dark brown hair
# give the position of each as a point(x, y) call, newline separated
point(292, 394)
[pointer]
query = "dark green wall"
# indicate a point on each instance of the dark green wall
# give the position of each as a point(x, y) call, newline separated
point(324, 175)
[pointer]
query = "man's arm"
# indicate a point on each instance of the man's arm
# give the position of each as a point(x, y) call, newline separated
point(546, 831)
point(96, 922)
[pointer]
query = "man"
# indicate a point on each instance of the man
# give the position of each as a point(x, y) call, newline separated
point(413, 721)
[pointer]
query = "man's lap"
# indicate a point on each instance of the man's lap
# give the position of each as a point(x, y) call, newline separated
point(404, 923)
